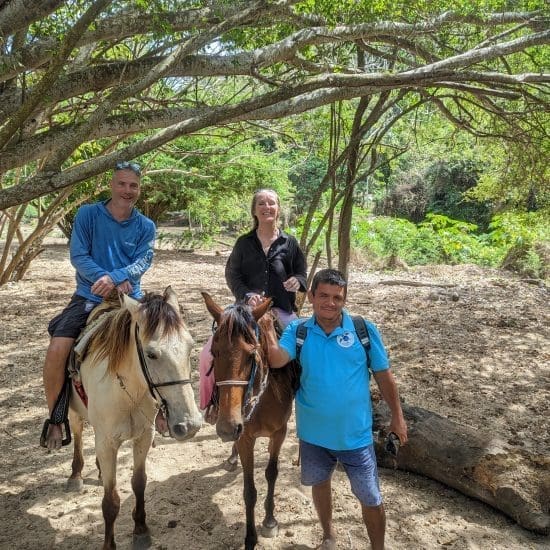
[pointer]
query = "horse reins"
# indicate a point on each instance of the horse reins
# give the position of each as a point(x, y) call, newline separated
point(153, 386)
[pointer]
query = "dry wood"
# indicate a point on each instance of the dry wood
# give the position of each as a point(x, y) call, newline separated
point(219, 241)
point(508, 478)
point(414, 283)
point(538, 282)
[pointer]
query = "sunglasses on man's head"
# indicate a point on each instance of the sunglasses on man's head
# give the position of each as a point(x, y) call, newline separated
point(125, 165)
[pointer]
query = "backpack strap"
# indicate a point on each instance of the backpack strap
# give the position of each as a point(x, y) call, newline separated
point(301, 333)
point(363, 335)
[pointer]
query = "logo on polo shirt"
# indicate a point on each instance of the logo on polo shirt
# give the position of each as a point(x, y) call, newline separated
point(346, 340)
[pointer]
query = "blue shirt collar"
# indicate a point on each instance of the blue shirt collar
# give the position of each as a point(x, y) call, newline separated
point(345, 326)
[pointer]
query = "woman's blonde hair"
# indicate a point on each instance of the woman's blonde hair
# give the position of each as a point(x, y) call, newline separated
point(255, 200)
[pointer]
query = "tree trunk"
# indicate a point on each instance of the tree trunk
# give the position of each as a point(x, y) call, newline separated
point(15, 215)
point(346, 213)
point(330, 226)
point(508, 478)
point(344, 230)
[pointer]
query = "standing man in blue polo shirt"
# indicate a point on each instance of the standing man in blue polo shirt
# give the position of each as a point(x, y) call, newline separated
point(111, 247)
point(333, 404)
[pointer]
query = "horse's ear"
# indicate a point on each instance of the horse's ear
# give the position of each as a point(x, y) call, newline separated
point(130, 304)
point(214, 309)
point(171, 298)
point(259, 310)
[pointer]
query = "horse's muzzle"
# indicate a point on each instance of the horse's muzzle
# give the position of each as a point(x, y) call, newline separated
point(186, 430)
point(228, 431)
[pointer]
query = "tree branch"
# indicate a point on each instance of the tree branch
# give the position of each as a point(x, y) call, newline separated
point(47, 81)
point(18, 14)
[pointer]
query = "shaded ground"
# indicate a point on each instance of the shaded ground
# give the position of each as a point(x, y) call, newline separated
point(477, 353)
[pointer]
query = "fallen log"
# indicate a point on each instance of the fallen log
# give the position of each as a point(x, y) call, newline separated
point(406, 282)
point(507, 478)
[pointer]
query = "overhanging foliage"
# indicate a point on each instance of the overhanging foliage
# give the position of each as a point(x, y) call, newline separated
point(85, 83)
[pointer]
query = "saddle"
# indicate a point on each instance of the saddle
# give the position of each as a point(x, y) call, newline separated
point(60, 412)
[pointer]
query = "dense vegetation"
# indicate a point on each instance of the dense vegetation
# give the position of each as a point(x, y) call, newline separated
point(413, 130)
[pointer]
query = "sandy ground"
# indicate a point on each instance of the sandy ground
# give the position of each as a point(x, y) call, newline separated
point(477, 353)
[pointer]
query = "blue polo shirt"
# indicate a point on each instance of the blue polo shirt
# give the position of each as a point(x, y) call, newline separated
point(333, 404)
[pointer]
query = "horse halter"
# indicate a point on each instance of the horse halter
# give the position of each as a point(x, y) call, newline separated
point(248, 398)
point(153, 387)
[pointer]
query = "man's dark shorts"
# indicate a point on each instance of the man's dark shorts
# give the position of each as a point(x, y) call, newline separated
point(72, 319)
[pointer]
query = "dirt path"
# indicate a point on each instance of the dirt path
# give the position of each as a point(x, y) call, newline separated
point(477, 353)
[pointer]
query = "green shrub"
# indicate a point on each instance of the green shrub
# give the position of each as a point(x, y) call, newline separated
point(439, 239)
point(521, 241)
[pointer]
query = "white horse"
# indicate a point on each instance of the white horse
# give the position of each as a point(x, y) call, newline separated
point(137, 363)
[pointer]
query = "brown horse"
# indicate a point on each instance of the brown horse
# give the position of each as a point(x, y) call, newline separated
point(254, 400)
point(137, 362)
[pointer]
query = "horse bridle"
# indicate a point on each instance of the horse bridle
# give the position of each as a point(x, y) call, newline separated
point(250, 382)
point(153, 386)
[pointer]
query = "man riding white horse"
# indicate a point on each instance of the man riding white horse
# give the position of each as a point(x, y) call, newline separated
point(111, 247)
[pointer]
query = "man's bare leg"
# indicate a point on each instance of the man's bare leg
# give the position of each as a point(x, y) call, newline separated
point(322, 499)
point(375, 522)
point(53, 375)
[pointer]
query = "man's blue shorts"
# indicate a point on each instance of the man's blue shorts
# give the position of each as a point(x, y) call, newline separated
point(319, 463)
point(72, 319)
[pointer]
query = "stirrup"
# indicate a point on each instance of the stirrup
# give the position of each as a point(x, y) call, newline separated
point(44, 433)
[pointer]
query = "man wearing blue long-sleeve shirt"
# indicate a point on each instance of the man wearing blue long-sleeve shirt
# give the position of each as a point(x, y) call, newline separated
point(111, 247)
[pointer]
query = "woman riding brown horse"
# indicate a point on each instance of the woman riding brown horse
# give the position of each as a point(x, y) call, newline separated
point(254, 400)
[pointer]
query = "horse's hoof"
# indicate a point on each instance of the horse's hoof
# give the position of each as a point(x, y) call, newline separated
point(142, 542)
point(270, 529)
point(229, 465)
point(75, 485)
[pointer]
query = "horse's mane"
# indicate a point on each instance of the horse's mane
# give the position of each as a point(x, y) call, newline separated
point(159, 312)
point(113, 335)
point(237, 321)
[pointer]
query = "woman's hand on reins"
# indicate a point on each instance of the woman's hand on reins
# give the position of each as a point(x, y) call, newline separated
point(254, 300)
point(292, 284)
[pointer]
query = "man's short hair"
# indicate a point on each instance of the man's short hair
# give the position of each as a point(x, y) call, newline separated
point(329, 276)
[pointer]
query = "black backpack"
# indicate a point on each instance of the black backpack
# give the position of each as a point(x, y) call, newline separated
point(360, 330)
